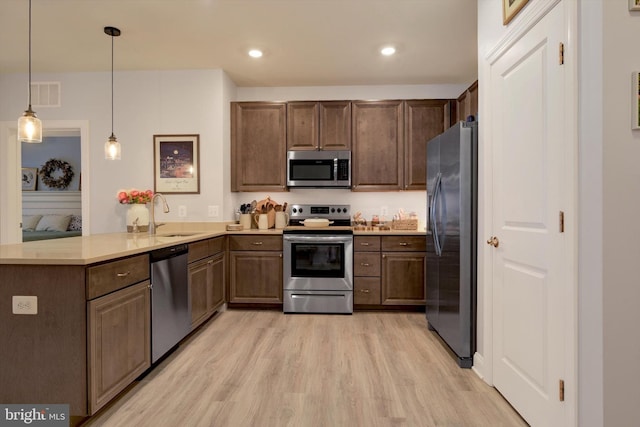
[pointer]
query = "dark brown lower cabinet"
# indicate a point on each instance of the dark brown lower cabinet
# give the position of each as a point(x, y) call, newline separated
point(119, 341)
point(403, 278)
point(256, 277)
point(206, 280)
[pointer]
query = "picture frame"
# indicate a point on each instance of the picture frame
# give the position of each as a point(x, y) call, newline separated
point(634, 4)
point(635, 100)
point(29, 179)
point(176, 164)
point(510, 9)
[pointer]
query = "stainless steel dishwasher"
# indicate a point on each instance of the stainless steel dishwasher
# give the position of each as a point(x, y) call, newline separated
point(170, 299)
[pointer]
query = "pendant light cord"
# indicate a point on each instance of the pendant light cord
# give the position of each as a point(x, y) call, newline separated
point(112, 85)
point(29, 55)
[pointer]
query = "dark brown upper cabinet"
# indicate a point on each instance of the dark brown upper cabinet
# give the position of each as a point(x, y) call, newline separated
point(423, 120)
point(377, 145)
point(319, 125)
point(258, 146)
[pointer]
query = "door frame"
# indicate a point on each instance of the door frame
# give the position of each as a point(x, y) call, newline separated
point(483, 359)
point(10, 161)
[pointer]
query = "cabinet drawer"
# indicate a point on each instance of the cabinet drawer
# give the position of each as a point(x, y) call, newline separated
point(216, 245)
point(255, 242)
point(198, 250)
point(404, 243)
point(366, 243)
point(366, 290)
point(366, 264)
point(105, 278)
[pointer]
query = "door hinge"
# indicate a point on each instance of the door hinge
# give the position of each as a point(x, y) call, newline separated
point(561, 223)
point(561, 54)
point(561, 391)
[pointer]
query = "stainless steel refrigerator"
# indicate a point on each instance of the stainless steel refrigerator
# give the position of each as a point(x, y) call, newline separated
point(452, 160)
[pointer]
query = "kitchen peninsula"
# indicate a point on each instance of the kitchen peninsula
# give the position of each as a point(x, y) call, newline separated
point(89, 338)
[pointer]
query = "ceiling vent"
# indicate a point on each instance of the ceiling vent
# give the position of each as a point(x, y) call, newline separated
point(45, 94)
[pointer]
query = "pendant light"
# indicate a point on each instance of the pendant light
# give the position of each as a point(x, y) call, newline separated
point(29, 125)
point(112, 149)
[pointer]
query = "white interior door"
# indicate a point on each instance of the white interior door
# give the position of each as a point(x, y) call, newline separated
point(531, 262)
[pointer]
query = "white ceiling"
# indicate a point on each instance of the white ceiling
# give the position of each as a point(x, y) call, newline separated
point(305, 42)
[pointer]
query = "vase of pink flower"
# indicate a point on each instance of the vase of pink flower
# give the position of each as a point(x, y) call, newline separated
point(137, 213)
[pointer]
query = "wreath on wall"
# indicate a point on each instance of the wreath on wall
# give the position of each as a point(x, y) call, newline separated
point(56, 173)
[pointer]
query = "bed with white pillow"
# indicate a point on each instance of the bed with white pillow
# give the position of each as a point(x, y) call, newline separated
point(51, 215)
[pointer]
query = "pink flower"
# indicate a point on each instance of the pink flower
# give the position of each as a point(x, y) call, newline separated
point(134, 196)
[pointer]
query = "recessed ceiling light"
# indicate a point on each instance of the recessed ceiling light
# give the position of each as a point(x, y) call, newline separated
point(255, 53)
point(388, 50)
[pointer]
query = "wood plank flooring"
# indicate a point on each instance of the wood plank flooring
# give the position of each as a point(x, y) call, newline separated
point(264, 368)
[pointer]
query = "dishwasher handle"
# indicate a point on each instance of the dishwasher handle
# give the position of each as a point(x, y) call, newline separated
point(170, 252)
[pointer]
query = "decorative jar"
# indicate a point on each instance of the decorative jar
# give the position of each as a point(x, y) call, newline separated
point(140, 213)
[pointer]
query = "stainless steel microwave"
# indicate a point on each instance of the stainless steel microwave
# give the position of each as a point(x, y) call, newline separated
point(319, 169)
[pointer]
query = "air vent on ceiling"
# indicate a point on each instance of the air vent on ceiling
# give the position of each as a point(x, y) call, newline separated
point(45, 94)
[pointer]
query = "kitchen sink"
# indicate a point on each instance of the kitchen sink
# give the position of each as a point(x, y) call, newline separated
point(178, 235)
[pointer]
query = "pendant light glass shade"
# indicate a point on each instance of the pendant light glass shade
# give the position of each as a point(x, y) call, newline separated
point(29, 125)
point(112, 150)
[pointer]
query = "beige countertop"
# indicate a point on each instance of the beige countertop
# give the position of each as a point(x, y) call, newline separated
point(96, 248)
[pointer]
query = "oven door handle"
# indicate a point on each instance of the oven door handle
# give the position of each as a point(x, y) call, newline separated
point(317, 239)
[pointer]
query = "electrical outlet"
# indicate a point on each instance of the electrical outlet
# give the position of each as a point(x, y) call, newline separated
point(182, 211)
point(24, 304)
point(214, 210)
point(384, 211)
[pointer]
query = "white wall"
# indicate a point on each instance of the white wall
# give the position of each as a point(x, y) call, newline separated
point(145, 103)
point(621, 229)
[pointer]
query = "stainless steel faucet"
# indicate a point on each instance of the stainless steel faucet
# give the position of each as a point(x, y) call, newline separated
point(152, 222)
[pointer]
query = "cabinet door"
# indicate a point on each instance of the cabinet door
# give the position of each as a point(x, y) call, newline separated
point(199, 283)
point(302, 125)
point(335, 125)
point(258, 146)
point(378, 145)
point(473, 99)
point(423, 120)
point(403, 278)
point(256, 277)
point(218, 276)
point(119, 341)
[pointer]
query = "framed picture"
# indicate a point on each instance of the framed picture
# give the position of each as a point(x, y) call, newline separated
point(635, 100)
point(634, 4)
point(29, 179)
point(176, 164)
point(510, 9)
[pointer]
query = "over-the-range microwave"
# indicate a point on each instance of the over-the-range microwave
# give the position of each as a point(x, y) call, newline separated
point(319, 169)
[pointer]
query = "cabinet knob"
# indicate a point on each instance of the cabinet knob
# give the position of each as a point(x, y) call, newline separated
point(365, 264)
point(256, 243)
point(123, 274)
point(280, 255)
point(403, 244)
point(364, 244)
point(210, 262)
point(364, 291)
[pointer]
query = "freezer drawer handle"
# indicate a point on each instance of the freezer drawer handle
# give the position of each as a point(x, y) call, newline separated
point(123, 274)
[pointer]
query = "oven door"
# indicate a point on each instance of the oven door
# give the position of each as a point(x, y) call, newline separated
point(318, 262)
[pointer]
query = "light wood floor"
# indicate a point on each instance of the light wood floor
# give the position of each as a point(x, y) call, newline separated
point(264, 368)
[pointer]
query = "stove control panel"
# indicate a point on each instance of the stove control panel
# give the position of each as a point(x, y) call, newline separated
point(331, 212)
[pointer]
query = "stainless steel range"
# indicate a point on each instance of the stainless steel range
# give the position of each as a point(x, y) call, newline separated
point(318, 261)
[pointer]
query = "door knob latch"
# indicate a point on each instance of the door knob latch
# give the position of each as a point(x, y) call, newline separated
point(493, 241)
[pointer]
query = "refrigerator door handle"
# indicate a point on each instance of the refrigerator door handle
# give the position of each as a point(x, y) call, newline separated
point(432, 214)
